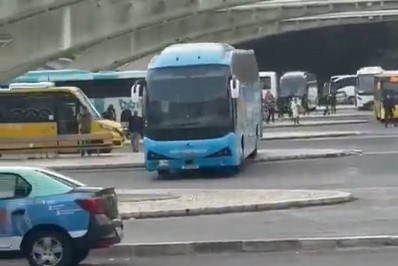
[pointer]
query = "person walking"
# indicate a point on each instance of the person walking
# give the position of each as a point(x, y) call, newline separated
point(84, 120)
point(333, 102)
point(136, 129)
point(270, 105)
point(111, 113)
point(295, 108)
point(389, 107)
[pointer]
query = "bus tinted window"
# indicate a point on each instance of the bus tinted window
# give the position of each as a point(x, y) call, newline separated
point(26, 108)
point(102, 88)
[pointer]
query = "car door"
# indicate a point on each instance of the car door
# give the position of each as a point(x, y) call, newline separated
point(13, 222)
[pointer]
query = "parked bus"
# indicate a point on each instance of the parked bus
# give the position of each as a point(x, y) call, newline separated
point(102, 88)
point(202, 103)
point(385, 83)
point(28, 110)
point(269, 82)
point(297, 84)
point(345, 88)
point(365, 87)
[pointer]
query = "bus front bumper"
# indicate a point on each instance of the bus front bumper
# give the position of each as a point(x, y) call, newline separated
point(190, 164)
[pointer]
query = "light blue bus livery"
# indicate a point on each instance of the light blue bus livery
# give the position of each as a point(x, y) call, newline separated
point(202, 107)
point(102, 88)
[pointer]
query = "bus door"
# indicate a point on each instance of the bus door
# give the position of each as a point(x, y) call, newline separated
point(67, 123)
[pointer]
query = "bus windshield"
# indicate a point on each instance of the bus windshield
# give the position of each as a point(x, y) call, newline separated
point(343, 82)
point(188, 96)
point(365, 84)
point(292, 86)
point(265, 83)
point(390, 88)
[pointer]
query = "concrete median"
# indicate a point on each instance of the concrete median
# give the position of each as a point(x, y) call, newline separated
point(308, 135)
point(247, 246)
point(136, 160)
point(188, 202)
point(316, 123)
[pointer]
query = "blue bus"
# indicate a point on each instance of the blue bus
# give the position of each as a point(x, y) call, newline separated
point(102, 88)
point(202, 107)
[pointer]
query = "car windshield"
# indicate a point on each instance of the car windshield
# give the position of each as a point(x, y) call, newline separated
point(292, 86)
point(61, 178)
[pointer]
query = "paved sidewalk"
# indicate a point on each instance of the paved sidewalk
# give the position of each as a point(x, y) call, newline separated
point(308, 134)
point(315, 123)
point(183, 202)
point(136, 160)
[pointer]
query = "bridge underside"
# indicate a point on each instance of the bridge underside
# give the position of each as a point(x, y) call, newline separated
point(68, 29)
point(251, 33)
point(133, 46)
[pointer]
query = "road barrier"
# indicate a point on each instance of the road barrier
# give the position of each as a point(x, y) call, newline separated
point(73, 143)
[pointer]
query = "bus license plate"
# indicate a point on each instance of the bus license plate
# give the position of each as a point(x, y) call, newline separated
point(190, 166)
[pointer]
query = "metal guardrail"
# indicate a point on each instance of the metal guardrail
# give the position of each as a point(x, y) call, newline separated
point(56, 144)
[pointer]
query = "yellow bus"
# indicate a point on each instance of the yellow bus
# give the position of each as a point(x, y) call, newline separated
point(385, 83)
point(37, 110)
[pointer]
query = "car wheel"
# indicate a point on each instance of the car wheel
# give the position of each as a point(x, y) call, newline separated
point(49, 248)
point(80, 255)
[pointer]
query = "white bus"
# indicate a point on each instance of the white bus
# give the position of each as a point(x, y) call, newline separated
point(269, 81)
point(365, 86)
point(345, 88)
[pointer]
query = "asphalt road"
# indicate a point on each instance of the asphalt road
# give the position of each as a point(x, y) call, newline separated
point(363, 257)
point(371, 177)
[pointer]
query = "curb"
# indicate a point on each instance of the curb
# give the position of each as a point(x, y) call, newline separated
point(313, 136)
point(258, 160)
point(342, 197)
point(310, 156)
point(339, 122)
point(247, 246)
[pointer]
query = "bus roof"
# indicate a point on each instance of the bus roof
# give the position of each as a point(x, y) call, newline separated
point(388, 73)
point(188, 54)
point(40, 90)
point(370, 70)
point(267, 73)
point(294, 74)
point(74, 74)
point(340, 77)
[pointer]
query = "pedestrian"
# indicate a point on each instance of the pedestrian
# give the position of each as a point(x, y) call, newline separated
point(270, 105)
point(84, 120)
point(136, 128)
point(295, 109)
point(328, 101)
point(389, 108)
point(111, 113)
point(305, 104)
point(333, 102)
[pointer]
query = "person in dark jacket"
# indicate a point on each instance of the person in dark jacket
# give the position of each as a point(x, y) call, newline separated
point(111, 113)
point(136, 129)
point(389, 107)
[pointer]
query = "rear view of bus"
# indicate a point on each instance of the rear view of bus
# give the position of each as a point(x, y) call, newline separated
point(386, 86)
point(202, 105)
point(365, 88)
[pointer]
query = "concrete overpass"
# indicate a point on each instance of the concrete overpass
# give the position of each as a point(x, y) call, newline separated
point(68, 29)
point(133, 46)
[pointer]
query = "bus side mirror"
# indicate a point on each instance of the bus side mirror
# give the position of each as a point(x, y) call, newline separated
point(234, 87)
point(137, 91)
